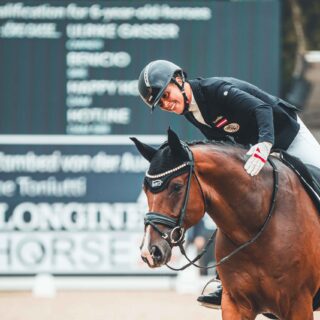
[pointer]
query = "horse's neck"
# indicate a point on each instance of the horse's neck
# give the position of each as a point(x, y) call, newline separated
point(237, 202)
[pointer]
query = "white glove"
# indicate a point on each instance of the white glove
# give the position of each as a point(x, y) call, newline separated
point(258, 156)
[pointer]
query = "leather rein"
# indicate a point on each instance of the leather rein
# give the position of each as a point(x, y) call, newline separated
point(175, 237)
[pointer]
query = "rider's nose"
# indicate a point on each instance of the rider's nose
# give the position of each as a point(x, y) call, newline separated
point(164, 104)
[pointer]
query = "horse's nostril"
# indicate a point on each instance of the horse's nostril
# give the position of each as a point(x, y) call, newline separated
point(144, 259)
point(156, 253)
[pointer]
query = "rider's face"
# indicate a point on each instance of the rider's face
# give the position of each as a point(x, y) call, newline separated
point(172, 99)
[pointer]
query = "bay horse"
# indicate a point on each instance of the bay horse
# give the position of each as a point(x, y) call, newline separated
point(279, 273)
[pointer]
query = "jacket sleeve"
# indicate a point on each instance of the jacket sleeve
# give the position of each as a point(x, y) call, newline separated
point(243, 106)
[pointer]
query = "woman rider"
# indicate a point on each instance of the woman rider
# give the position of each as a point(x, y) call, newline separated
point(222, 107)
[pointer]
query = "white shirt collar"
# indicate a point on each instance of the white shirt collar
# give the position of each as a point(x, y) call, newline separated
point(193, 107)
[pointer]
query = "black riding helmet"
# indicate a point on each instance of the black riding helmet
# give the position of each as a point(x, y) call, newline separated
point(155, 77)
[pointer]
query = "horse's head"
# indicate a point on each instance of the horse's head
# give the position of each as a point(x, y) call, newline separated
point(175, 198)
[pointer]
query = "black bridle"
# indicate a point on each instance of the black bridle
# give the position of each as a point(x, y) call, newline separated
point(175, 237)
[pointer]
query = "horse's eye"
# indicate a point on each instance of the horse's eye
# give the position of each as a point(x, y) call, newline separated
point(177, 187)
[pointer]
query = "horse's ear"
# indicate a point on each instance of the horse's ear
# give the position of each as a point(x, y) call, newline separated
point(175, 144)
point(146, 151)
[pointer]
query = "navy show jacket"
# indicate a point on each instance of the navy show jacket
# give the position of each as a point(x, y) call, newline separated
point(239, 109)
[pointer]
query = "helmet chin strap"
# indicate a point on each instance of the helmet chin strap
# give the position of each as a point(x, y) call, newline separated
point(185, 98)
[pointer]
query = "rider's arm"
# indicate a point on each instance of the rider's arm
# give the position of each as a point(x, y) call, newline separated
point(246, 107)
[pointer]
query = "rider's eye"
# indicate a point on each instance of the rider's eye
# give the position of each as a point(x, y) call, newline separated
point(165, 95)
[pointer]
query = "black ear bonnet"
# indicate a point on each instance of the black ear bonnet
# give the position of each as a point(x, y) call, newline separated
point(165, 165)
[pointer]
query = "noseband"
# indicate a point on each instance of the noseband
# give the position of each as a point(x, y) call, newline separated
point(175, 236)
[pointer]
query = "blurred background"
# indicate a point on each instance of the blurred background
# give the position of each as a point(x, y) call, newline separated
point(71, 205)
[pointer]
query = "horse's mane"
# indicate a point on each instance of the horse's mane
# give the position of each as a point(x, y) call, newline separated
point(228, 143)
point(229, 147)
point(166, 160)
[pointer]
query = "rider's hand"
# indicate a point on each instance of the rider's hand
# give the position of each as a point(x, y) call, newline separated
point(258, 156)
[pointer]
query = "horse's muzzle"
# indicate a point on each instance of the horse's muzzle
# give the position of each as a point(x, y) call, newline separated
point(160, 255)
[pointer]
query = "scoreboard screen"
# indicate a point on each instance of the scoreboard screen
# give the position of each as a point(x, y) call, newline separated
point(71, 67)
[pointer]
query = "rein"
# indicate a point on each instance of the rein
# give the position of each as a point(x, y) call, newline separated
point(154, 218)
point(245, 244)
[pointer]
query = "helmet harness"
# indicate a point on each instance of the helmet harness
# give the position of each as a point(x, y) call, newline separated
point(183, 92)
